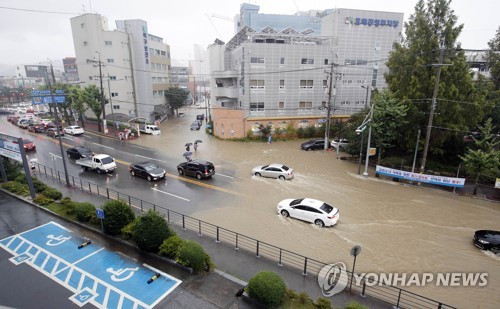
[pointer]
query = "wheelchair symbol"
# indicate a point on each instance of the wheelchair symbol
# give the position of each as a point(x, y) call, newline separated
point(56, 240)
point(117, 273)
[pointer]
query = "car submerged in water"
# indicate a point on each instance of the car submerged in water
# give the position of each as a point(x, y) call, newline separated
point(487, 240)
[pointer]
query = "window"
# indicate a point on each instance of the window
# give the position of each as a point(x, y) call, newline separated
point(82, 25)
point(306, 84)
point(282, 84)
point(323, 105)
point(282, 60)
point(85, 43)
point(305, 105)
point(112, 77)
point(110, 60)
point(158, 66)
point(326, 61)
point(256, 60)
point(307, 61)
point(116, 106)
point(91, 78)
point(257, 84)
point(108, 43)
point(163, 53)
point(114, 94)
point(164, 67)
point(325, 84)
point(281, 106)
point(257, 106)
point(155, 93)
point(152, 66)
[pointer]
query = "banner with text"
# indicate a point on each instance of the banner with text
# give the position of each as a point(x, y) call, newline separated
point(432, 179)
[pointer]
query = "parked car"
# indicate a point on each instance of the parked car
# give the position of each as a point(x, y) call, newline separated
point(52, 132)
point(23, 123)
point(79, 152)
point(200, 117)
point(196, 168)
point(310, 210)
point(195, 125)
point(487, 240)
point(313, 144)
point(74, 130)
point(274, 170)
point(339, 143)
point(147, 170)
point(28, 145)
point(53, 125)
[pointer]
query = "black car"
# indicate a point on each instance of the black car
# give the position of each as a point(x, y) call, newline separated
point(313, 144)
point(147, 170)
point(79, 152)
point(196, 168)
point(487, 240)
point(195, 125)
point(52, 132)
point(36, 128)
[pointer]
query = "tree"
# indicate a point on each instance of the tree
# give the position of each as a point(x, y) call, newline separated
point(485, 159)
point(493, 60)
point(118, 215)
point(92, 98)
point(430, 31)
point(389, 116)
point(176, 98)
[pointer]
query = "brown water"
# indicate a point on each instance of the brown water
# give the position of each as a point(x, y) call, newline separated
point(400, 228)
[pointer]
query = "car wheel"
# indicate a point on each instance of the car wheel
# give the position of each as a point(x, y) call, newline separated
point(308, 149)
point(181, 171)
point(257, 174)
point(285, 213)
point(149, 178)
point(319, 223)
point(132, 173)
point(198, 176)
point(85, 168)
point(281, 177)
point(99, 171)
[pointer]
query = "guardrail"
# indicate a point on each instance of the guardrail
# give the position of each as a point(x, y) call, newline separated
point(395, 296)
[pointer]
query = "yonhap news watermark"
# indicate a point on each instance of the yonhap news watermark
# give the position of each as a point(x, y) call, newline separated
point(333, 279)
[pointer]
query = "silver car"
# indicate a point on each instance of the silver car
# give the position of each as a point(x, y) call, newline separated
point(274, 170)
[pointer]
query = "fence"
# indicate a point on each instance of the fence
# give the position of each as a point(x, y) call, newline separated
point(398, 297)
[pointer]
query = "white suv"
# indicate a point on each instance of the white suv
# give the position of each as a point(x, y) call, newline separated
point(339, 143)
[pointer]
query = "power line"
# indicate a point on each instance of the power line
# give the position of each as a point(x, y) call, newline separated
point(37, 11)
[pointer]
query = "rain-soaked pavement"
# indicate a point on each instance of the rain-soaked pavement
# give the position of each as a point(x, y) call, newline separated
point(403, 229)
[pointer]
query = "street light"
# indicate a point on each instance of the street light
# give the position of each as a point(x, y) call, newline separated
point(367, 122)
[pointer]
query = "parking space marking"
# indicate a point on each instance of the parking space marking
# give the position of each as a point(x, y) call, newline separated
point(182, 198)
point(103, 278)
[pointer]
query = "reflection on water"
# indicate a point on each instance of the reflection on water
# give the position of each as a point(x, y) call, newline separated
point(400, 228)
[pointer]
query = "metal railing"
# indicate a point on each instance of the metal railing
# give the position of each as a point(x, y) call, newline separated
point(395, 296)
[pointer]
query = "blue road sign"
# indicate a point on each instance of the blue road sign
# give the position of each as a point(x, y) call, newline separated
point(99, 213)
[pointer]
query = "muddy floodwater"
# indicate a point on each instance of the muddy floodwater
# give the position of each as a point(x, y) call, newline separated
point(401, 228)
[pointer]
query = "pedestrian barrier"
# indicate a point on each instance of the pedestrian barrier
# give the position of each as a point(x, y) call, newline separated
point(395, 296)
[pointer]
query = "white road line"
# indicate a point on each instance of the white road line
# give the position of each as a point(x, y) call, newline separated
point(151, 158)
point(54, 155)
point(145, 148)
point(103, 146)
point(224, 175)
point(171, 194)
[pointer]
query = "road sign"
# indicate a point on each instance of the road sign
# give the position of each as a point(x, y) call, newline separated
point(99, 213)
point(373, 151)
point(45, 97)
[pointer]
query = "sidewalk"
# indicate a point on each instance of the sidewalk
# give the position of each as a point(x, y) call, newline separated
point(215, 290)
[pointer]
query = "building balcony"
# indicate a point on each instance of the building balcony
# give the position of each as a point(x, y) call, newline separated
point(228, 92)
point(225, 74)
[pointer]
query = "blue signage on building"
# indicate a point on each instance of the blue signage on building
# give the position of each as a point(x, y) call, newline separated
point(371, 22)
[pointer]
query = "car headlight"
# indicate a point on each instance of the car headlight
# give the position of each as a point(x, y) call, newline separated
point(484, 242)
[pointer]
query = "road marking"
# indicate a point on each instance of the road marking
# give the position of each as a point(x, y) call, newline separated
point(171, 194)
point(54, 155)
point(224, 175)
point(151, 158)
point(141, 147)
point(102, 145)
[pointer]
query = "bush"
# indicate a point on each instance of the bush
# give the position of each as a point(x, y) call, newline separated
point(323, 303)
point(52, 193)
point(84, 211)
point(354, 305)
point(267, 288)
point(128, 230)
point(17, 188)
point(42, 200)
point(150, 231)
point(69, 205)
point(37, 184)
point(191, 254)
point(117, 215)
point(12, 168)
point(170, 246)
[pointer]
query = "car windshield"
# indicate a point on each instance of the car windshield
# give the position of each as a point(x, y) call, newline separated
point(107, 160)
point(326, 208)
point(76, 128)
point(150, 167)
point(295, 202)
point(265, 166)
point(284, 167)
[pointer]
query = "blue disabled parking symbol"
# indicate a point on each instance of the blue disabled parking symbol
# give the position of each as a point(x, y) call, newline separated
point(82, 297)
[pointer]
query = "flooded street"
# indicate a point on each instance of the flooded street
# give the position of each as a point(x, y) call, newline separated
point(400, 228)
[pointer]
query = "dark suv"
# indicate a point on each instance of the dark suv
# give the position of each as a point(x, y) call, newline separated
point(196, 168)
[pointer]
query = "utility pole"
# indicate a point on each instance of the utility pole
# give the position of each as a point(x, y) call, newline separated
point(102, 90)
point(433, 106)
point(368, 88)
point(329, 106)
point(52, 72)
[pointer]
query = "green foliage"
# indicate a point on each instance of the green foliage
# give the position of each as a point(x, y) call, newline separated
point(84, 211)
point(150, 231)
point(301, 133)
point(69, 205)
point(310, 131)
point(92, 97)
point(42, 200)
point(176, 97)
point(128, 230)
point(170, 246)
point(17, 188)
point(354, 305)
point(323, 303)
point(267, 288)
point(12, 168)
point(191, 254)
point(37, 184)
point(117, 215)
point(52, 193)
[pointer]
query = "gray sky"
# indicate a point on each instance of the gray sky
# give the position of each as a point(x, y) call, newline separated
point(29, 35)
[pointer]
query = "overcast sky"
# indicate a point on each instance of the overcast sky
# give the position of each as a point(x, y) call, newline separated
point(33, 30)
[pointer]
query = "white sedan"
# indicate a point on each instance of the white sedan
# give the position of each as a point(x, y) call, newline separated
point(74, 130)
point(339, 143)
point(310, 210)
point(274, 170)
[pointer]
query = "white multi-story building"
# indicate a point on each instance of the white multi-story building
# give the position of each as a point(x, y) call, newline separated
point(129, 64)
point(281, 76)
